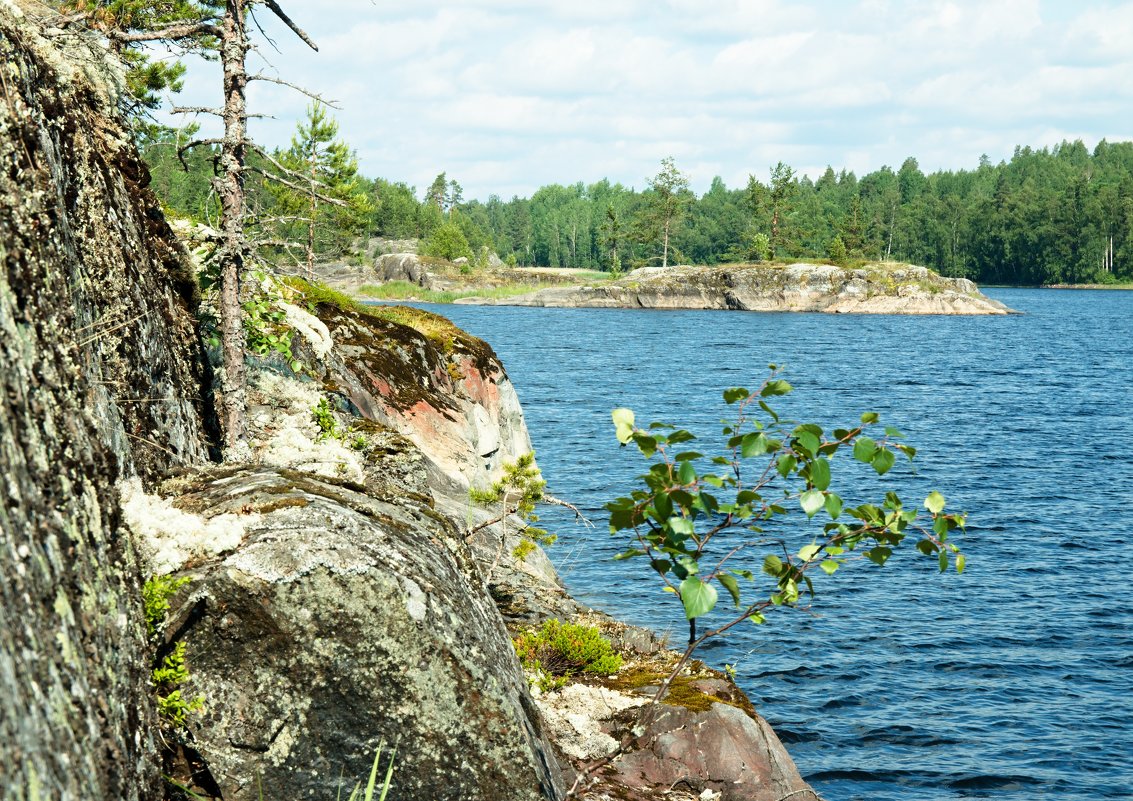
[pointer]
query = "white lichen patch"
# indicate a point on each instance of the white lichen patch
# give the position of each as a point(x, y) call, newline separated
point(170, 537)
point(283, 432)
point(575, 715)
point(310, 327)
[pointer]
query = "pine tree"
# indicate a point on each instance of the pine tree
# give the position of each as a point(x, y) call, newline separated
point(331, 172)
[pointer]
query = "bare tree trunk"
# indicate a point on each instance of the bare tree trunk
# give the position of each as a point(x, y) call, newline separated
point(665, 247)
point(312, 210)
point(234, 247)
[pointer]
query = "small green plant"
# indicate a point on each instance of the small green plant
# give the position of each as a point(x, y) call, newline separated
point(324, 418)
point(557, 651)
point(170, 671)
point(517, 492)
point(359, 442)
point(367, 793)
point(693, 523)
point(155, 599)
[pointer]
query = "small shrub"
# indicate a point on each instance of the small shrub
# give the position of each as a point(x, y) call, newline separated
point(324, 419)
point(556, 651)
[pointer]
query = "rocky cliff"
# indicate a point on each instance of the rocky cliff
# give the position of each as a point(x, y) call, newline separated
point(100, 379)
point(873, 289)
point(337, 595)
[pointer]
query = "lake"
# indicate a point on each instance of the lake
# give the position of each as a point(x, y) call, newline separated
point(1013, 681)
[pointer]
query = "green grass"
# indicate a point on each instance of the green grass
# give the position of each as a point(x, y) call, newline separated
point(404, 290)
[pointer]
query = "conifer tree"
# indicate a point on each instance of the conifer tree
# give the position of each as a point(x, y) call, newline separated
point(331, 171)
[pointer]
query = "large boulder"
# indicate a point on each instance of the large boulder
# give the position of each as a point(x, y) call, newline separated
point(346, 618)
point(101, 379)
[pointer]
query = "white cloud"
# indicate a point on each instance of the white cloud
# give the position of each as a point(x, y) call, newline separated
point(506, 95)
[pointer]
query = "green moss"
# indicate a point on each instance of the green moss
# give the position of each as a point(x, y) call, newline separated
point(683, 691)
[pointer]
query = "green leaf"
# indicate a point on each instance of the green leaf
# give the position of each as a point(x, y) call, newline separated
point(681, 525)
point(820, 474)
point(645, 443)
point(732, 586)
point(811, 501)
point(808, 442)
point(808, 552)
point(623, 424)
point(864, 449)
point(698, 598)
point(686, 473)
point(829, 566)
point(776, 387)
point(883, 461)
point(943, 559)
point(757, 618)
point(890, 431)
point(735, 394)
point(753, 444)
point(960, 562)
point(833, 505)
point(879, 555)
point(770, 412)
point(772, 565)
point(934, 502)
point(629, 554)
point(870, 417)
point(664, 506)
point(662, 566)
point(680, 436)
point(786, 464)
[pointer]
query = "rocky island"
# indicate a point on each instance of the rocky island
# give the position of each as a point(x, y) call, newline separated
point(336, 590)
point(872, 288)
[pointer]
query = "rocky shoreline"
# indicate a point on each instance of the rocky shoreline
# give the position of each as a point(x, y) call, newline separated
point(874, 289)
point(336, 591)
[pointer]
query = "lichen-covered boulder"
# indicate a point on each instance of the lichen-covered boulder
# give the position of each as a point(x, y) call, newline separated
point(343, 619)
point(99, 379)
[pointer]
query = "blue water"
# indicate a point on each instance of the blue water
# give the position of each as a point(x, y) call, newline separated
point(1013, 681)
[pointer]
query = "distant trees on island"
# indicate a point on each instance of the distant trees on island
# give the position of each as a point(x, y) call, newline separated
point(1055, 215)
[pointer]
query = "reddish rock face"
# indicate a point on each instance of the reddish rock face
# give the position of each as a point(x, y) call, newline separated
point(723, 749)
point(418, 374)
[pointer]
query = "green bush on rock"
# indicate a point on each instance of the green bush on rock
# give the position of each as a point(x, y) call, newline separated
point(557, 651)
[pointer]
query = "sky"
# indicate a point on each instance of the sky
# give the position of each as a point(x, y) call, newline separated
point(506, 96)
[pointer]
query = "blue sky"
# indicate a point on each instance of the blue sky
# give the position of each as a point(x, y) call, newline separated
point(507, 96)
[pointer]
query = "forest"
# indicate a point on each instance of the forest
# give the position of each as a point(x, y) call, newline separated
point(1053, 215)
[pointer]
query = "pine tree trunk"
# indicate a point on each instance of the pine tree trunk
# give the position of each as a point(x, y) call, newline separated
point(234, 247)
point(312, 209)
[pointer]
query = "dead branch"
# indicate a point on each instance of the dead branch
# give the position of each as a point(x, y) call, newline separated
point(578, 515)
point(275, 9)
point(259, 76)
point(168, 33)
point(306, 190)
point(185, 148)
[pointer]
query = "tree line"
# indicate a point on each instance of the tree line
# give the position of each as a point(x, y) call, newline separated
point(1052, 215)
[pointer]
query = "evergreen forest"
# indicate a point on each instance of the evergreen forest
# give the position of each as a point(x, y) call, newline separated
point(1047, 216)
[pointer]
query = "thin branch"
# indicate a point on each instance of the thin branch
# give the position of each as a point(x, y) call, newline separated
point(275, 9)
point(578, 515)
point(259, 76)
point(168, 33)
point(181, 151)
point(198, 110)
point(306, 190)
